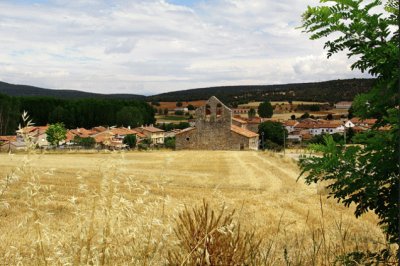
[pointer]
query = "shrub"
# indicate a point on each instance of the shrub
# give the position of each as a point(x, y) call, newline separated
point(130, 140)
point(143, 146)
point(212, 238)
point(169, 142)
point(88, 142)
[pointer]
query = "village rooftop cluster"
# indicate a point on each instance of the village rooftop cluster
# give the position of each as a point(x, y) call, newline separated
point(215, 127)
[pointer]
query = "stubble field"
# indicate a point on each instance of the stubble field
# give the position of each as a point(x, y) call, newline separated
point(121, 208)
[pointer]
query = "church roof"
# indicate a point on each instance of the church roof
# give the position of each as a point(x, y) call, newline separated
point(244, 132)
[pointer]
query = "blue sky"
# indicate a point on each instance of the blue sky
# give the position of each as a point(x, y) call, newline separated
point(154, 46)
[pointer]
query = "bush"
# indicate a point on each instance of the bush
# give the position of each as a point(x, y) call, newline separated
point(143, 146)
point(270, 145)
point(130, 140)
point(305, 115)
point(88, 142)
point(179, 112)
point(212, 238)
point(169, 143)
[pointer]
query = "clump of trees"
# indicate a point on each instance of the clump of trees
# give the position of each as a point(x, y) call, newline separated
point(87, 113)
point(366, 176)
point(171, 126)
point(9, 114)
point(272, 134)
point(86, 142)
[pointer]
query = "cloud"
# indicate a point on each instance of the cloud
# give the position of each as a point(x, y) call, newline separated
point(154, 46)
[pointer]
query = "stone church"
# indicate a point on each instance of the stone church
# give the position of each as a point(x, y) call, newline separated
point(214, 131)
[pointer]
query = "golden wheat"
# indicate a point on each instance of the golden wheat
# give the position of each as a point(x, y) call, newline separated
point(122, 208)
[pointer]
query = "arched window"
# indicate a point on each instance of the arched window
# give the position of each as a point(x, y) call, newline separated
point(219, 109)
point(208, 109)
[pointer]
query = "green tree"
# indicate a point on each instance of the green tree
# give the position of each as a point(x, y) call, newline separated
point(130, 140)
point(169, 142)
point(368, 175)
point(251, 113)
point(265, 109)
point(272, 131)
point(87, 142)
point(130, 116)
point(305, 115)
point(165, 111)
point(179, 104)
point(293, 117)
point(191, 107)
point(56, 133)
point(9, 114)
point(329, 117)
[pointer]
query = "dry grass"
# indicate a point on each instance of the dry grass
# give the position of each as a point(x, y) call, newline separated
point(118, 209)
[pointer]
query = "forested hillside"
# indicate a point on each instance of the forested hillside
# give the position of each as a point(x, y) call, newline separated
point(328, 91)
point(24, 90)
point(73, 113)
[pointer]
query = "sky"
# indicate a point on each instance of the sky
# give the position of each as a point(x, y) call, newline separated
point(154, 46)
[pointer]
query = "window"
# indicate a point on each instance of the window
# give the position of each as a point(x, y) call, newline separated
point(219, 109)
point(208, 109)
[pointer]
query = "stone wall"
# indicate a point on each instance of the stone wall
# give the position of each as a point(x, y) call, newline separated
point(196, 140)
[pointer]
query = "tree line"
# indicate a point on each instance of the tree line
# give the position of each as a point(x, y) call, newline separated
point(328, 91)
point(85, 113)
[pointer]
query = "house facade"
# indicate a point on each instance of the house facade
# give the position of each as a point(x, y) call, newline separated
point(215, 131)
point(155, 134)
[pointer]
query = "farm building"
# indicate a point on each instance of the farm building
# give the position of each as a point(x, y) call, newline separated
point(214, 131)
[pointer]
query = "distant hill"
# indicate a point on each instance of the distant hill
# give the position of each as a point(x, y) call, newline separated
point(24, 90)
point(327, 91)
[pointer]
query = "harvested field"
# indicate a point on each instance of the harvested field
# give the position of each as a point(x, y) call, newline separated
point(172, 105)
point(120, 208)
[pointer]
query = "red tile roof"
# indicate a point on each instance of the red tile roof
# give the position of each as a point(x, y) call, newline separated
point(185, 130)
point(123, 131)
point(368, 121)
point(243, 131)
point(150, 129)
point(290, 123)
point(8, 138)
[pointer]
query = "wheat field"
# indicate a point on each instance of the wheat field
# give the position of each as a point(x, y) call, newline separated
point(122, 208)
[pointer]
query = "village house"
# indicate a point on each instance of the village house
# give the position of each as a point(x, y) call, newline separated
point(216, 130)
point(8, 143)
point(156, 135)
point(290, 124)
point(368, 123)
point(37, 135)
point(318, 127)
